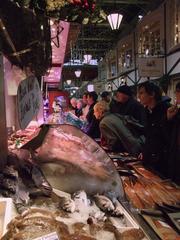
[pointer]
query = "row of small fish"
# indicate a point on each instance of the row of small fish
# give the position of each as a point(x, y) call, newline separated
point(80, 198)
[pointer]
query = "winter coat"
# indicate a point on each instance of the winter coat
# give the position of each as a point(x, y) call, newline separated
point(92, 128)
point(174, 149)
point(117, 133)
point(156, 144)
point(131, 108)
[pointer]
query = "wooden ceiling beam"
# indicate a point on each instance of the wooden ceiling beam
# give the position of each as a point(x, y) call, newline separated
point(94, 39)
point(93, 49)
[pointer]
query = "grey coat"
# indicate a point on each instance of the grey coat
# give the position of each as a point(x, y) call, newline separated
point(116, 131)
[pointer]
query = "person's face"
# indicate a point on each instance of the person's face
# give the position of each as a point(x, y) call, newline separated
point(79, 105)
point(90, 100)
point(74, 104)
point(177, 96)
point(121, 97)
point(144, 97)
point(98, 113)
point(84, 98)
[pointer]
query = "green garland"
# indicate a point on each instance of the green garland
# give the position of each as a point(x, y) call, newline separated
point(81, 11)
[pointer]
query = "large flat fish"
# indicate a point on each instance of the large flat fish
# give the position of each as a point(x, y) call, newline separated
point(71, 161)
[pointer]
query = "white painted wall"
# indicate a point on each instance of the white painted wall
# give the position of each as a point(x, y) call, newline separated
point(171, 61)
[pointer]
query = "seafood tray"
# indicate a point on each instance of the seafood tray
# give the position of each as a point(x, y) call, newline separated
point(122, 221)
point(76, 217)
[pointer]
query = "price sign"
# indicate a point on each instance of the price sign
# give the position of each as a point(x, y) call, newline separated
point(28, 100)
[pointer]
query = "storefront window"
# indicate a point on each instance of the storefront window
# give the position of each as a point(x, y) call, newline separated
point(112, 63)
point(173, 23)
point(125, 54)
point(102, 71)
point(177, 22)
point(149, 40)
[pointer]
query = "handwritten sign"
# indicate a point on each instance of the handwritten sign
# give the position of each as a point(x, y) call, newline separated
point(28, 100)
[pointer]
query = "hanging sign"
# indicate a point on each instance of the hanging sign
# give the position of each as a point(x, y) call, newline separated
point(150, 67)
point(28, 100)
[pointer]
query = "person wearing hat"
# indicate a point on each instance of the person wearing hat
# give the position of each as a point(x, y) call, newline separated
point(105, 96)
point(125, 104)
point(155, 150)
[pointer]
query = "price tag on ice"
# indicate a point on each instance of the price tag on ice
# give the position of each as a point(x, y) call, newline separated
point(50, 236)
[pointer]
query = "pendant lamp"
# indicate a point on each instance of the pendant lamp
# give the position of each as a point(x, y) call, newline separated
point(78, 73)
point(114, 20)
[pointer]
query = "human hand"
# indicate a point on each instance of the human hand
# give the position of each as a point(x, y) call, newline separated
point(172, 111)
point(140, 156)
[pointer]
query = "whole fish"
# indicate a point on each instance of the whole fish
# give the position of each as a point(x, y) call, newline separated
point(70, 161)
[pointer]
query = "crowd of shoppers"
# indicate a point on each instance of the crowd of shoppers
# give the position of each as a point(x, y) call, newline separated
point(148, 127)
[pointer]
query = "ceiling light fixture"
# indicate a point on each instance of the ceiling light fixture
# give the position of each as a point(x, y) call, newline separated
point(114, 20)
point(68, 82)
point(87, 58)
point(78, 73)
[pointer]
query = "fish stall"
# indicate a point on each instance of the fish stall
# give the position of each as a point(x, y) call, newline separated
point(60, 184)
point(156, 199)
point(63, 185)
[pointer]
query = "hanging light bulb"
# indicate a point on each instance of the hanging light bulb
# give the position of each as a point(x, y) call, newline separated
point(114, 20)
point(78, 73)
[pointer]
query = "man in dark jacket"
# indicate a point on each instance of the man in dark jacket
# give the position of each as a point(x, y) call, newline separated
point(125, 104)
point(156, 143)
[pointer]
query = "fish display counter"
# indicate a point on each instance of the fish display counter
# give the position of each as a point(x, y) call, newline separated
point(64, 186)
point(154, 200)
point(59, 173)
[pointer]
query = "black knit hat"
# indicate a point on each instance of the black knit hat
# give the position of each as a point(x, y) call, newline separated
point(125, 89)
point(105, 94)
point(178, 86)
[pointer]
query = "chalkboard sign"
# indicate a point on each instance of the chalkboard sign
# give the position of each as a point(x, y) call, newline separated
point(28, 100)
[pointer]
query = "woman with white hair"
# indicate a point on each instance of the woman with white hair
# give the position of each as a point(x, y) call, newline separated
point(116, 134)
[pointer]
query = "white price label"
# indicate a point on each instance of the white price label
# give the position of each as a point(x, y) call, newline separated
point(50, 236)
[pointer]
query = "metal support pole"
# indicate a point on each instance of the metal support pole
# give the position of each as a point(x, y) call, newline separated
point(135, 58)
point(165, 39)
point(42, 82)
point(3, 129)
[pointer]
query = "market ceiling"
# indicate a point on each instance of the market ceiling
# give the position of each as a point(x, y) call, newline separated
point(89, 32)
point(96, 36)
